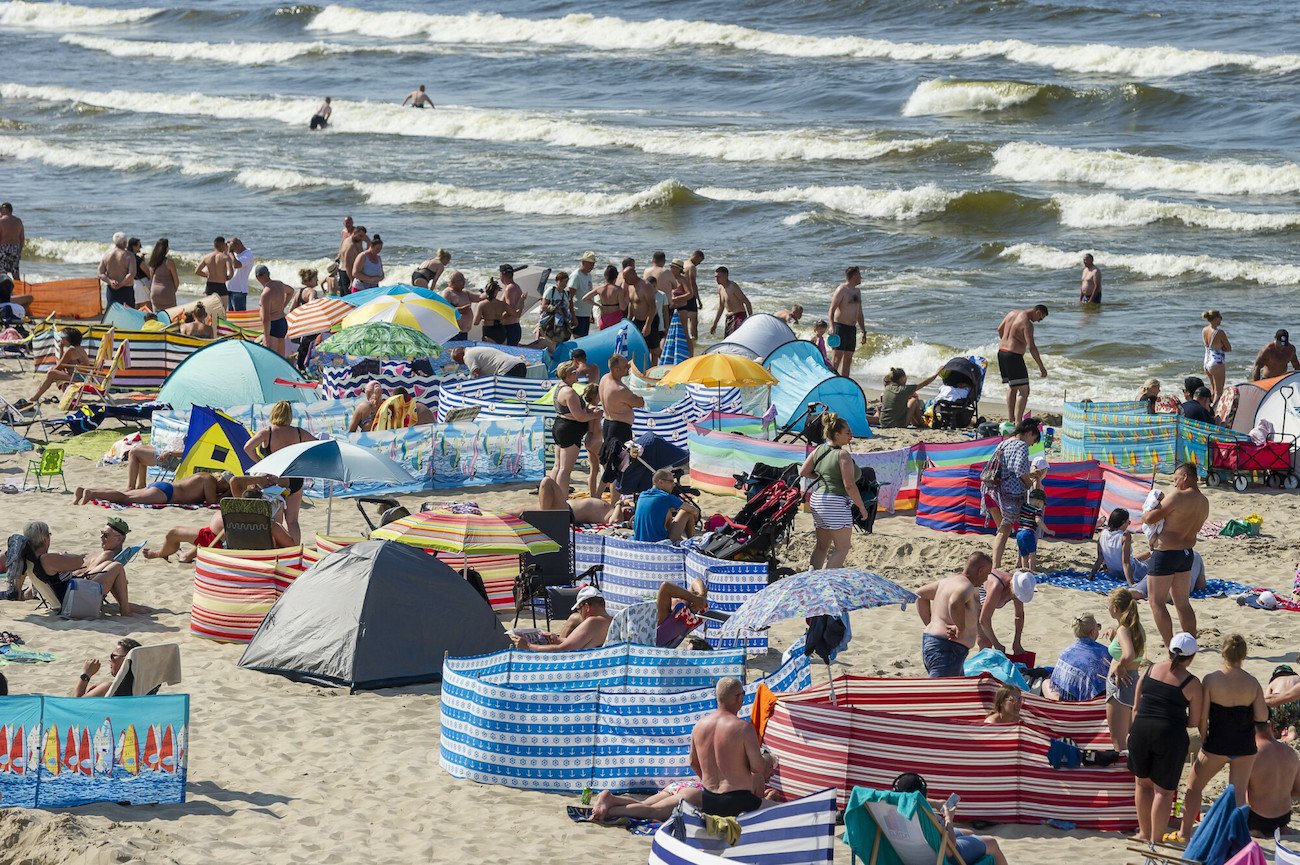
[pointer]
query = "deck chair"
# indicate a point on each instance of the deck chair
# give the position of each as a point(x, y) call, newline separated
point(799, 832)
point(21, 349)
point(886, 828)
point(248, 523)
point(541, 575)
point(48, 465)
point(96, 386)
point(146, 669)
point(1222, 832)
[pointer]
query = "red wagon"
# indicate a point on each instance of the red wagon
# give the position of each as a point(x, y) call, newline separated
point(1244, 461)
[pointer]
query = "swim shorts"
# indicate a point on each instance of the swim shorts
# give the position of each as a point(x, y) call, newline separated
point(279, 328)
point(1027, 541)
point(514, 333)
point(10, 253)
point(734, 320)
point(568, 432)
point(218, 288)
point(124, 295)
point(1012, 366)
point(1164, 563)
point(970, 848)
point(165, 488)
point(1266, 826)
point(848, 335)
point(943, 657)
point(731, 804)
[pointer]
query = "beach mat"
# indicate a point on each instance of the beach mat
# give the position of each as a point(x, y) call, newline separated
point(1103, 584)
point(113, 507)
point(637, 826)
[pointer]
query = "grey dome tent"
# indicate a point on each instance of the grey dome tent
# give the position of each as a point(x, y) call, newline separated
point(376, 614)
point(756, 338)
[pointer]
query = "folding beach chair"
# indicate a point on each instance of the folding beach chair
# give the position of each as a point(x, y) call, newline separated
point(96, 385)
point(799, 832)
point(248, 523)
point(21, 349)
point(886, 828)
point(1222, 832)
point(146, 669)
point(48, 465)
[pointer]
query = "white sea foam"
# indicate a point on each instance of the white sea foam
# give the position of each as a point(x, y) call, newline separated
point(896, 204)
point(1108, 210)
point(68, 16)
point(494, 125)
point(954, 97)
point(1045, 163)
point(237, 53)
point(67, 251)
point(1159, 265)
point(81, 157)
point(617, 34)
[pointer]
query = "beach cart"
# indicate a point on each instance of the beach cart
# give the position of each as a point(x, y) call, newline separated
point(1240, 462)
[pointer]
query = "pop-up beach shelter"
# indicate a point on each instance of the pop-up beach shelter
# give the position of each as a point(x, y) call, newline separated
point(1276, 400)
point(214, 443)
point(804, 379)
point(234, 372)
point(758, 337)
point(600, 345)
point(377, 614)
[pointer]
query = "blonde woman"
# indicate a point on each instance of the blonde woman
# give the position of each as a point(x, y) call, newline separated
point(572, 417)
point(1127, 645)
point(1006, 706)
point(1217, 348)
point(837, 491)
point(280, 434)
point(1233, 705)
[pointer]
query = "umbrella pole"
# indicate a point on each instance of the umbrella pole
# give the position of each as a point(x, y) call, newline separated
point(830, 680)
point(329, 507)
point(744, 657)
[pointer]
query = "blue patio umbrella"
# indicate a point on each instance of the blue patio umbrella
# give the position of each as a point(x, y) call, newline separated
point(676, 347)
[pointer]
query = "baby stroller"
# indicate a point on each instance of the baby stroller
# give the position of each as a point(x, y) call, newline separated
point(760, 526)
point(966, 376)
point(646, 454)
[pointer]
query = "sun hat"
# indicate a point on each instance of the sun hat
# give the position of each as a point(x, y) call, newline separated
point(1183, 645)
point(588, 256)
point(1023, 585)
point(677, 262)
point(588, 593)
point(118, 525)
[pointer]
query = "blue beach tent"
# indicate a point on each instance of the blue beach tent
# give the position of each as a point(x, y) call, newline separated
point(804, 377)
point(600, 346)
point(234, 372)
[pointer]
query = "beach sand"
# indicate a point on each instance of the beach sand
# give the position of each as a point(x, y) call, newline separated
point(281, 772)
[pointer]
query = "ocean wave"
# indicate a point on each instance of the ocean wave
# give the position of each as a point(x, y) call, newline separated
point(1045, 163)
point(238, 53)
point(1158, 265)
point(60, 156)
point(1108, 210)
point(611, 33)
point(66, 251)
point(68, 16)
point(945, 96)
point(895, 204)
point(475, 124)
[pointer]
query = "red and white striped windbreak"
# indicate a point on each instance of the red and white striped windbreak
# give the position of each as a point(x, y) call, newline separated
point(318, 316)
point(880, 728)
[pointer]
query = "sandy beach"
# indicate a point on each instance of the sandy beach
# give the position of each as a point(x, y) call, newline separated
point(282, 772)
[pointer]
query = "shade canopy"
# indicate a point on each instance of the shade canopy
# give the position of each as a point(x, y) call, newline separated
point(828, 592)
point(468, 534)
point(719, 370)
point(360, 298)
point(233, 372)
point(383, 340)
point(332, 460)
point(316, 316)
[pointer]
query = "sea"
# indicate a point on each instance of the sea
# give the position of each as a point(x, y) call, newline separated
point(964, 153)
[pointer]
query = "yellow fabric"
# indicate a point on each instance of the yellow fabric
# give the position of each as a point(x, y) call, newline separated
point(727, 828)
point(213, 452)
point(396, 412)
point(718, 370)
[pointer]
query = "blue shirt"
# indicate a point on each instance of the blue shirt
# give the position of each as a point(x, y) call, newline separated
point(650, 520)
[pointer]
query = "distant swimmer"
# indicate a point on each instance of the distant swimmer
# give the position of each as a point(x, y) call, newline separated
point(1090, 284)
point(418, 98)
point(321, 118)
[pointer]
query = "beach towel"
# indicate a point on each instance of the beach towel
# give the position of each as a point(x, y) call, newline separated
point(1104, 584)
point(11, 653)
point(635, 825)
point(115, 507)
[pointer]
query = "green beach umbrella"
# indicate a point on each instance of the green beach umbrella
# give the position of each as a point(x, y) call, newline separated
point(383, 340)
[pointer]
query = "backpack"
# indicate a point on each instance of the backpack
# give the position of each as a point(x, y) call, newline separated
point(991, 474)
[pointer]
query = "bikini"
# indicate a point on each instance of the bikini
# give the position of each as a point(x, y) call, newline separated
point(495, 331)
point(609, 319)
point(293, 485)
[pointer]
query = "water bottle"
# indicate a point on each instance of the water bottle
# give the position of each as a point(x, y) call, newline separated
point(1050, 437)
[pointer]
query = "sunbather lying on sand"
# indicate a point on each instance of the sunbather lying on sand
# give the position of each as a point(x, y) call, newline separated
point(200, 488)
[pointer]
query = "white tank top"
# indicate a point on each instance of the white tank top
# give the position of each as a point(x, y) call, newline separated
point(1112, 549)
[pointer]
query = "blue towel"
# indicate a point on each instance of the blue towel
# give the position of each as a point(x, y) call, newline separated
point(1222, 832)
point(1105, 583)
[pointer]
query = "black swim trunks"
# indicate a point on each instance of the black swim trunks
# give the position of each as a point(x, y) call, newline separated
point(615, 434)
point(568, 432)
point(731, 804)
point(1266, 826)
point(692, 304)
point(1164, 563)
point(514, 333)
point(495, 333)
point(279, 328)
point(216, 288)
point(1012, 366)
point(848, 335)
point(124, 295)
point(654, 337)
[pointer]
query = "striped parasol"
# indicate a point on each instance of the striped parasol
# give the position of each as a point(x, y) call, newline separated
point(676, 347)
point(436, 320)
point(467, 534)
point(317, 316)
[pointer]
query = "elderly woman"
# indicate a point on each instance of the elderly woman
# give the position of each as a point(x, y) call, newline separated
point(279, 434)
point(57, 570)
point(572, 417)
point(1081, 672)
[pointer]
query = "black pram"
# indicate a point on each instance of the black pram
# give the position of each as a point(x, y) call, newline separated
point(960, 413)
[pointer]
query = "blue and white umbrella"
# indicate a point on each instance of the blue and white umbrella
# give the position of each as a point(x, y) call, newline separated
point(828, 592)
point(676, 347)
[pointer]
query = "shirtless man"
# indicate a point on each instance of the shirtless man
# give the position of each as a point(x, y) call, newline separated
point(1183, 511)
point(348, 227)
point(949, 609)
point(430, 270)
point(1000, 587)
point(349, 248)
point(1090, 282)
point(12, 238)
point(117, 272)
point(793, 315)
point(725, 756)
point(200, 488)
point(589, 634)
point(513, 297)
point(611, 297)
point(1274, 784)
point(1282, 696)
point(619, 403)
point(1274, 358)
point(658, 270)
point(418, 98)
point(321, 118)
point(643, 312)
point(846, 320)
point(217, 267)
point(1016, 333)
point(274, 299)
point(691, 309)
point(732, 301)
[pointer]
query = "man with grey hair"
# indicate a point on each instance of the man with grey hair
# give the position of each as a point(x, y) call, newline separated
point(117, 272)
point(275, 297)
point(57, 570)
point(726, 757)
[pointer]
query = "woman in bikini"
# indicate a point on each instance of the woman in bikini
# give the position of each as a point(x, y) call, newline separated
point(280, 434)
point(1216, 352)
point(611, 297)
point(489, 313)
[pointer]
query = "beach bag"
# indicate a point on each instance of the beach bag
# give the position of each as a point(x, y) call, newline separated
point(82, 600)
point(991, 474)
point(1064, 754)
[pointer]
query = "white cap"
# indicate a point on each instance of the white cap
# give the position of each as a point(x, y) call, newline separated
point(1023, 585)
point(1039, 463)
point(588, 593)
point(1267, 600)
point(1183, 645)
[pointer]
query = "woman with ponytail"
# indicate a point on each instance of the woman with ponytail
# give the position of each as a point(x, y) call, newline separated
point(836, 475)
point(1216, 352)
point(1233, 705)
point(1127, 643)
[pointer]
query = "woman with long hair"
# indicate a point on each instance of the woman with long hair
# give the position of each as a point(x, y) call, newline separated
point(1128, 642)
point(165, 281)
point(278, 435)
point(832, 466)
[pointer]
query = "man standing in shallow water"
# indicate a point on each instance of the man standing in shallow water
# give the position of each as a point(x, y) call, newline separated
point(846, 320)
point(1016, 334)
point(1090, 282)
point(12, 237)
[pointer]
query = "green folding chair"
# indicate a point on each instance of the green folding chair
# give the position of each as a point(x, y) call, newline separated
point(48, 465)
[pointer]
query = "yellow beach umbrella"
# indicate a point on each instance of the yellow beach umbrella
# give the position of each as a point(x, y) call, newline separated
point(718, 370)
point(436, 320)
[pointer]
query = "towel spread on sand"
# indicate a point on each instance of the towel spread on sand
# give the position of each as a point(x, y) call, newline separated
point(1104, 584)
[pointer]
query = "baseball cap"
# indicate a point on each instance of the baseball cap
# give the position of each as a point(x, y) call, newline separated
point(588, 593)
point(1267, 600)
point(118, 524)
point(1281, 670)
point(508, 269)
point(1183, 645)
point(1023, 585)
point(588, 256)
point(1039, 463)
